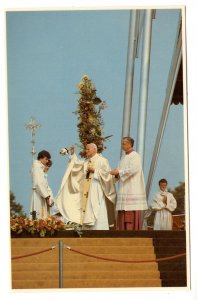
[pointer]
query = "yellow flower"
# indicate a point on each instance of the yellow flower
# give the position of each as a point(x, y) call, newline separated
point(88, 91)
point(90, 119)
point(92, 130)
point(85, 77)
point(80, 85)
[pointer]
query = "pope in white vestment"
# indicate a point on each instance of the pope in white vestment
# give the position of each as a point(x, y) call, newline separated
point(101, 194)
point(163, 204)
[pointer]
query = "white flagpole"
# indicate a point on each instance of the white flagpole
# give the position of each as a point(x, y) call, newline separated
point(144, 83)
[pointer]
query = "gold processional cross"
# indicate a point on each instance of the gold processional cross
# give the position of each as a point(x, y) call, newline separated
point(32, 125)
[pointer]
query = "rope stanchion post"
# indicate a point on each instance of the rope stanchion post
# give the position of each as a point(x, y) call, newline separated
point(60, 264)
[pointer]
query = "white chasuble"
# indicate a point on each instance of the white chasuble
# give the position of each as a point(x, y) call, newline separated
point(101, 195)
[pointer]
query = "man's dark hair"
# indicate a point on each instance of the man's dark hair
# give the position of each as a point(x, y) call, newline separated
point(130, 140)
point(43, 154)
point(163, 180)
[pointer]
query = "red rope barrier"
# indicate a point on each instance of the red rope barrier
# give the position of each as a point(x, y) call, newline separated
point(35, 253)
point(127, 261)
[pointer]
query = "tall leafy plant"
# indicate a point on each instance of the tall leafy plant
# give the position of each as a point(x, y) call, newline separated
point(90, 123)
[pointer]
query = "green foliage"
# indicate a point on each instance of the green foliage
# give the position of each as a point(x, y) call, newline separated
point(90, 126)
point(179, 195)
point(16, 209)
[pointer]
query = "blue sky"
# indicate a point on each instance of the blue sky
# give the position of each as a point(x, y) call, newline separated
point(47, 54)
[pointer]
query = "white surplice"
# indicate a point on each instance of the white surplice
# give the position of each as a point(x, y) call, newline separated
point(101, 195)
point(131, 193)
point(163, 215)
point(41, 190)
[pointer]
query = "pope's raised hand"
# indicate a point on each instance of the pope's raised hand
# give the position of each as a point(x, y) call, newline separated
point(72, 149)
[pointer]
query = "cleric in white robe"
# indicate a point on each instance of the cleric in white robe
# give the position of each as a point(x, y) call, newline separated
point(163, 204)
point(41, 192)
point(98, 212)
point(131, 193)
point(131, 198)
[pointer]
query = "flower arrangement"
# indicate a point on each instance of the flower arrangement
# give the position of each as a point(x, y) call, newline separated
point(44, 227)
point(90, 126)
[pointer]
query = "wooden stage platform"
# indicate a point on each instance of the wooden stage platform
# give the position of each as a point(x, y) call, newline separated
point(101, 259)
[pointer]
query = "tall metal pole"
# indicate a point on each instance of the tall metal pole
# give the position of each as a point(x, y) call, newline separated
point(60, 264)
point(144, 84)
point(131, 53)
point(173, 73)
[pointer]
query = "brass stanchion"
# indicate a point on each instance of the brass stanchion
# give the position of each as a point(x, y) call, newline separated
point(60, 264)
